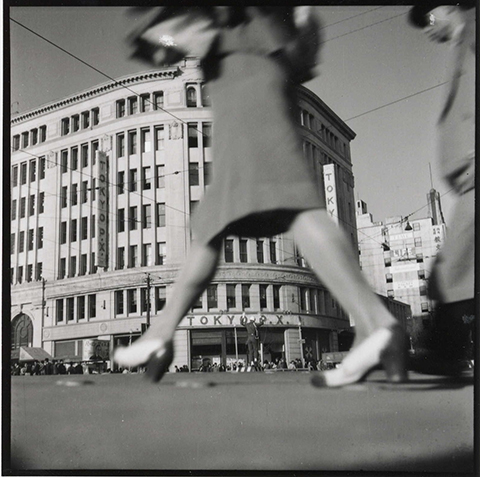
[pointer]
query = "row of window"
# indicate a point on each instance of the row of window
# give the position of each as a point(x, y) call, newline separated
point(29, 138)
point(128, 257)
point(137, 301)
point(146, 218)
point(79, 228)
point(140, 104)
point(84, 266)
point(405, 244)
point(422, 290)
point(141, 255)
point(196, 96)
point(314, 124)
point(125, 257)
point(27, 171)
point(30, 242)
point(74, 229)
point(74, 309)
point(126, 301)
point(128, 143)
point(418, 257)
point(420, 275)
point(79, 156)
point(29, 273)
point(244, 254)
point(237, 297)
point(19, 208)
point(74, 194)
point(81, 121)
point(147, 179)
point(315, 301)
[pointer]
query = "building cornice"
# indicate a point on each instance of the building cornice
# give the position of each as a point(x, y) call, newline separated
point(337, 121)
point(171, 72)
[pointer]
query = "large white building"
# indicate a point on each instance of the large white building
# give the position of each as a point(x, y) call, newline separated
point(103, 185)
point(396, 256)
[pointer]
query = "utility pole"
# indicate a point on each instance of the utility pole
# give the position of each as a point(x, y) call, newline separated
point(149, 287)
point(43, 305)
point(148, 300)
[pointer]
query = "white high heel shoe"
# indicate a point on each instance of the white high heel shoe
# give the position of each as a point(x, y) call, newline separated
point(156, 354)
point(385, 347)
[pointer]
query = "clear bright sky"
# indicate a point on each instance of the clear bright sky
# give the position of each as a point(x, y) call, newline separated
point(371, 57)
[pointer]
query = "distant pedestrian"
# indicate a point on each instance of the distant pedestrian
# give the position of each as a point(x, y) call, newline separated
point(48, 367)
point(252, 337)
point(36, 368)
point(61, 367)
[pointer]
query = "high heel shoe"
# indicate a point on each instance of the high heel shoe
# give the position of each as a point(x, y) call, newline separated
point(385, 347)
point(159, 362)
point(157, 355)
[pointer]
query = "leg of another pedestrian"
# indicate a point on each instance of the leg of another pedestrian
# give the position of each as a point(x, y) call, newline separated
point(380, 339)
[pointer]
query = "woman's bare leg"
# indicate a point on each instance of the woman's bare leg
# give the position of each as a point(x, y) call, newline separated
point(377, 340)
point(195, 276)
point(331, 256)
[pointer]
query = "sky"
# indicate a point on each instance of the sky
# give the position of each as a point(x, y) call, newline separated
point(377, 73)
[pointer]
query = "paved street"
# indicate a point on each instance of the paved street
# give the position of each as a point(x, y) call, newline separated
point(241, 421)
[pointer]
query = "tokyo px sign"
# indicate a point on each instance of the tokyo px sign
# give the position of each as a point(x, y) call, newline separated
point(102, 222)
point(330, 191)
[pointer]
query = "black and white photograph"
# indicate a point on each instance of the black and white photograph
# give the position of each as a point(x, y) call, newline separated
point(242, 238)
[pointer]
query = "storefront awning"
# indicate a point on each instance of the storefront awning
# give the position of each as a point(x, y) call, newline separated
point(25, 353)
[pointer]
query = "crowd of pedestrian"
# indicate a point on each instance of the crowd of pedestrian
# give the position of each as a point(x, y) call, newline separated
point(298, 364)
point(182, 369)
point(47, 367)
point(277, 364)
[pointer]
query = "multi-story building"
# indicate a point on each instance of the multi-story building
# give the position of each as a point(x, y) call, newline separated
point(396, 255)
point(103, 185)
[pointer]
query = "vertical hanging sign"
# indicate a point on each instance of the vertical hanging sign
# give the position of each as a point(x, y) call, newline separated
point(102, 222)
point(330, 191)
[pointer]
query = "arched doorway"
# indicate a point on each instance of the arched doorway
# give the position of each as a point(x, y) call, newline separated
point(22, 331)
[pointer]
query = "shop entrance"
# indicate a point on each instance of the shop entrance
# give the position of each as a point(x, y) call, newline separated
point(217, 347)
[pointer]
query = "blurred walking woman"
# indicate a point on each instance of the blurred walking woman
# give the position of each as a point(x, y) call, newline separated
point(252, 58)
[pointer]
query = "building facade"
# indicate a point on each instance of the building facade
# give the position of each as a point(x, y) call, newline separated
point(103, 184)
point(396, 256)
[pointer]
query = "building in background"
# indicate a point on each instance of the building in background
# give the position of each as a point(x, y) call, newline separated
point(396, 256)
point(103, 185)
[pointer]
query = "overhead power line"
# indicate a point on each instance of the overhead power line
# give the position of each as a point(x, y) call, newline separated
point(396, 101)
point(184, 122)
point(363, 28)
point(349, 18)
point(98, 71)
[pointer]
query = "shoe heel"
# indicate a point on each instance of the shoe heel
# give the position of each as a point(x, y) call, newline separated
point(159, 363)
point(394, 358)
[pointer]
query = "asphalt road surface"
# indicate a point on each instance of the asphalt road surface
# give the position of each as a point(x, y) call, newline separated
point(240, 421)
